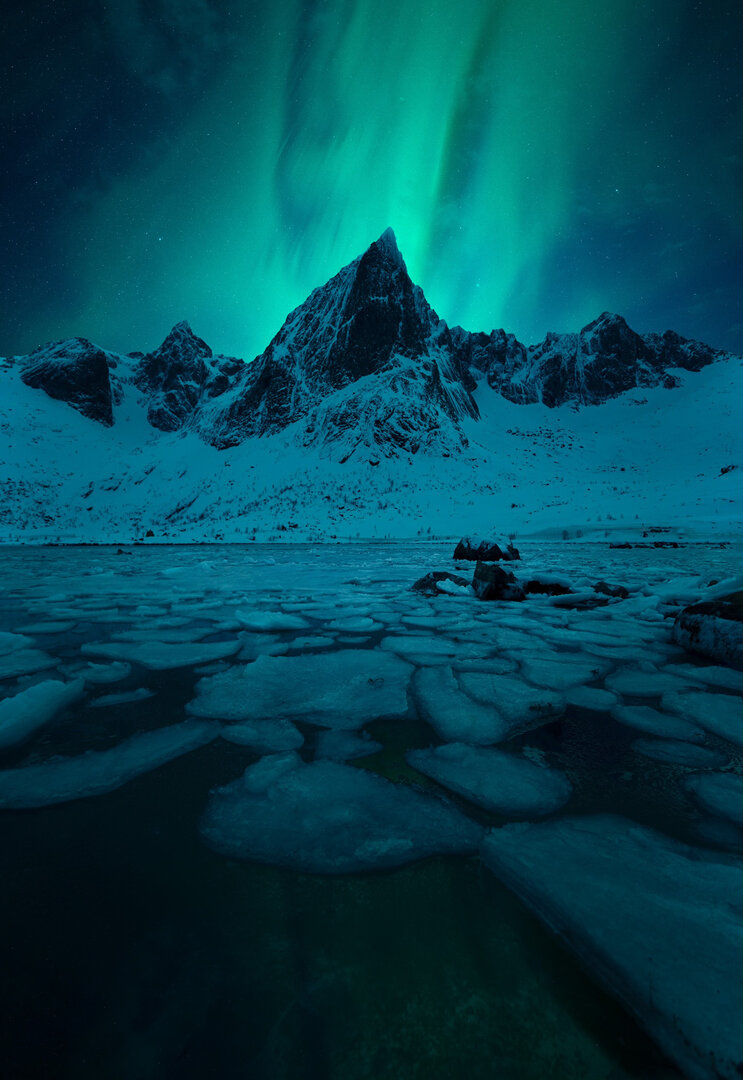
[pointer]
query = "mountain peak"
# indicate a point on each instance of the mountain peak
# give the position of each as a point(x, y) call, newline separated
point(387, 245)
point(182, 337)
point(606, 318)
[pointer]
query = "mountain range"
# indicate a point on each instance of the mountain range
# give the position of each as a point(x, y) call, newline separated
point(364, 373)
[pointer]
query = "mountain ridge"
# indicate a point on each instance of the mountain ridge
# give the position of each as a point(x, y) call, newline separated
point(364, 361)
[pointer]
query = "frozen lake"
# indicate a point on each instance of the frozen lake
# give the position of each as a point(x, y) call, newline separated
point(262, 815)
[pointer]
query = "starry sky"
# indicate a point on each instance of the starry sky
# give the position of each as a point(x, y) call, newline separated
point(539, 160)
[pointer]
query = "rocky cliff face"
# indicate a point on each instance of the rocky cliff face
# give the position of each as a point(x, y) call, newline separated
point(605, 359)
point(75, 371)
point(364, 365)
point(369, 328)
point(180, 375)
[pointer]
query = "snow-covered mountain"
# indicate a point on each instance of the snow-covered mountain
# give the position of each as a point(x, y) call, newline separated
point(366, 414)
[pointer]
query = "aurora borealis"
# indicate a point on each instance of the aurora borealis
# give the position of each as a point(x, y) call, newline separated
point(540, 161)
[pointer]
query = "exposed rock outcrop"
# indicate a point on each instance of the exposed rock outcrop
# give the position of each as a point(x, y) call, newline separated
point(713, 628)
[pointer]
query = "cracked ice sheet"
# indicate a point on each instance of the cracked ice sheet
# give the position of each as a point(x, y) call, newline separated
point(160, 656)
point(61, 779)
point(457, 718)
point(344, 689)
point(497, 781)
point(659, 923)
point(27, 711)
point(722, 714)
point(329, 818)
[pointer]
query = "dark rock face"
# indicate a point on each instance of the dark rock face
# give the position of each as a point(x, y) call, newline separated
point(492, 582)
point(428, 584)
point(175, 377)
point(605, 359)
point(371, 326)
point(484, 550)
point(74, 371)
point(713, 629)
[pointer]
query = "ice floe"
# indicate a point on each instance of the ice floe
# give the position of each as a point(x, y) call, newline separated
point(270, 621)
point(357, 623)
point(11, 642)
point(27, 711)
point(493, 779)
point(560, 671)
point(60, 779)
point(415, 644)
point(329, 818)
point(641, 681)
point(643, 718)
point(264, 736)
point(24, 662)
point(316, 641)
point(721, 714)
point(590, 697)
point(518, 703)
point(454, 715)
point(343, 689)
point(161, 656)
point(344, 745)
point(101, 674)
point(719, 793)
point(676, 752)
point(50, 627)
point(710, 674)
point(659, 923)
point(125, 698)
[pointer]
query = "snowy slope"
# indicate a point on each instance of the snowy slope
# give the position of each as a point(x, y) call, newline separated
point(647, 458)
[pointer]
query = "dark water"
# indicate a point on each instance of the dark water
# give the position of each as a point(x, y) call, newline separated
point(130, 951)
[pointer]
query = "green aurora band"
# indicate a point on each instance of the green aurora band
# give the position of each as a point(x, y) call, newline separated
point(539, 161)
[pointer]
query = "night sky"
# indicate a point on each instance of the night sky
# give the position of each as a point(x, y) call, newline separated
point(539, 160)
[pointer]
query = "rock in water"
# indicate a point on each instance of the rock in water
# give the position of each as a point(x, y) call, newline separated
point(660, 924)
point(429, 583)
point(713, 628)
point(492, 582)
point(476, 549)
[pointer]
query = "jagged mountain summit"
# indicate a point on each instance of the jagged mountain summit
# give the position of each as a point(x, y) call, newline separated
point(364, 364)
point(368, 415)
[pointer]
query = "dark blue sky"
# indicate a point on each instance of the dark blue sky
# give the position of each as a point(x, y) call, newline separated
point(540, 161)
